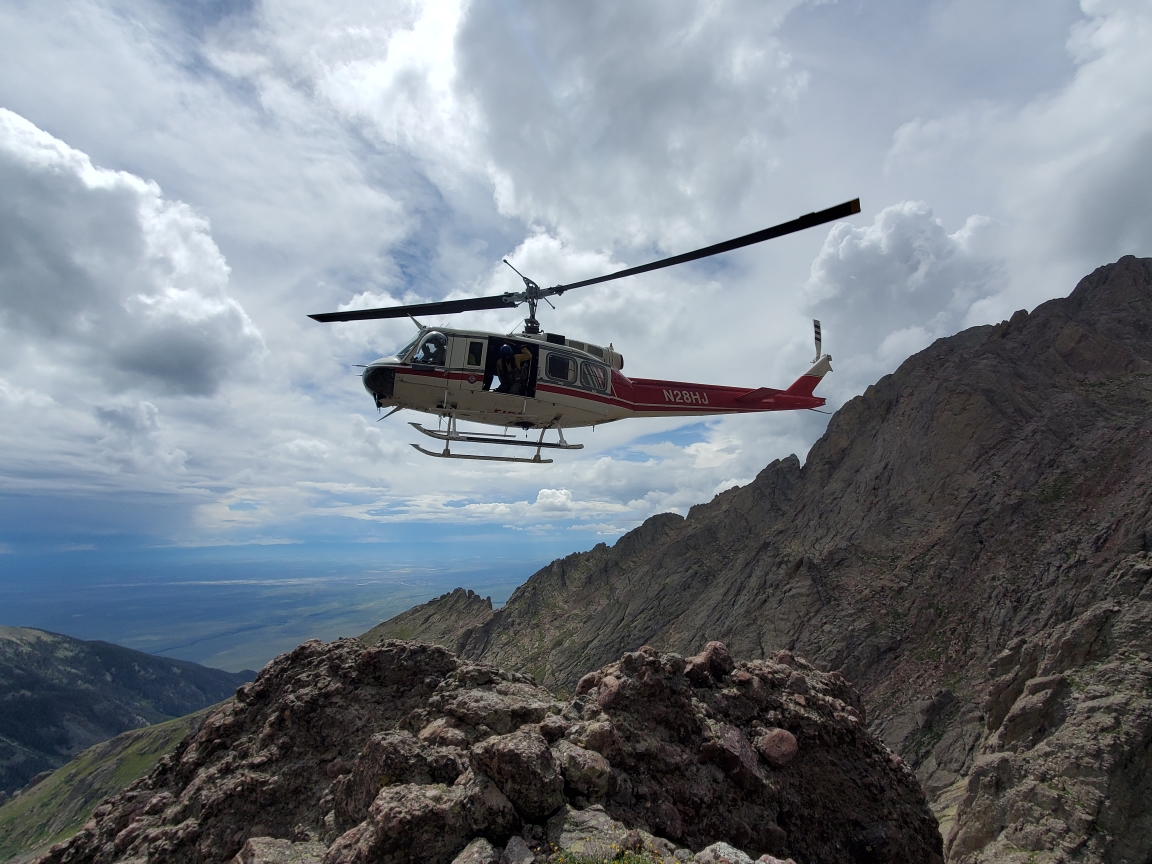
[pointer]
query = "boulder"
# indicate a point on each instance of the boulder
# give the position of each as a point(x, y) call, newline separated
point(777, 746)
point(523, 766)
point(592, 833)
point(586, 773)
point(391, 758)
point(721, 853)
point(489, 811)
point(517, 852)
point(416, 823)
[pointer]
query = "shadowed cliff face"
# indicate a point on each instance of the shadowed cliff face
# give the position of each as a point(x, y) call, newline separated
point(987, 496)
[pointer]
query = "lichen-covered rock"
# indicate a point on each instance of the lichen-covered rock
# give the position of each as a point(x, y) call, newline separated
point(269, 850)
point(517, 852)
point(479, 851)
point(402, 754)
point(721, 853)
point(592, 833)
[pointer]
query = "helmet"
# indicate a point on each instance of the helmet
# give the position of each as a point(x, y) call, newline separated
point(505, 350)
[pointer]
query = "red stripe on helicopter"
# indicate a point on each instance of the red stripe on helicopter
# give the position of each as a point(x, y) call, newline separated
point(651, 395)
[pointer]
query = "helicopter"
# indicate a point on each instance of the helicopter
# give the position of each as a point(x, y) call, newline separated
point(535, 380)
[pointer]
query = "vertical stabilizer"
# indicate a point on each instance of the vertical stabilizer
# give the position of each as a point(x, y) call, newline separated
point(806, 383)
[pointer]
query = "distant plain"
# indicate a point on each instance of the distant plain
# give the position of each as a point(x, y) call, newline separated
point(235, 608)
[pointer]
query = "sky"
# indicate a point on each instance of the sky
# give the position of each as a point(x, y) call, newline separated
point(181, 183)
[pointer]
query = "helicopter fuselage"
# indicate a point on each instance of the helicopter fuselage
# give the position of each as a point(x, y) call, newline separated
point(547, 381)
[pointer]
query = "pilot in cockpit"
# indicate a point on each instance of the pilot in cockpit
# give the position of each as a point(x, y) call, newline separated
point(433, 351)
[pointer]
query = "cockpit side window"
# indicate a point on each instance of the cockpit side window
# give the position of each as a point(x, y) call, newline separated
point(433, 349)
point(561, 368)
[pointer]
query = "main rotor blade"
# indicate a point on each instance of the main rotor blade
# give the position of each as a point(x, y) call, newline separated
point(840, 211)
point(472, 304)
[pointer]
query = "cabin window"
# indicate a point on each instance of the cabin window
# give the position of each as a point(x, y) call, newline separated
point(594, 375)
point(475, 354)
point(561, 368)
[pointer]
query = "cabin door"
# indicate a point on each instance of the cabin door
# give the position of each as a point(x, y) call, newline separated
point(467, 362)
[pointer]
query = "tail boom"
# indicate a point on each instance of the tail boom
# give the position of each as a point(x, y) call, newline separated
point(650, 397)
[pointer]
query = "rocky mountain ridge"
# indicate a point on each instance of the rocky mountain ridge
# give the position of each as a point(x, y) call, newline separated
point(403, 752)
point(62, 695)
point(969, 543)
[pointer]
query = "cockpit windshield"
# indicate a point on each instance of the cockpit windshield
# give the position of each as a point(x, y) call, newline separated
point(403, 352)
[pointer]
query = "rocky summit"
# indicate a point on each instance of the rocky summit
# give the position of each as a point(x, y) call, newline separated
point(403, 752)
point(970, 543)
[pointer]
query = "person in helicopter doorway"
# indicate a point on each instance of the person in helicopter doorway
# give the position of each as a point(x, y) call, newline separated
point(514, 369)
point(506, 369)
point(523, 361)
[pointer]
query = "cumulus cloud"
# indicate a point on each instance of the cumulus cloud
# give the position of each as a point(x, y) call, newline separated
point(659, 116)
point(886, 290)
point(1084, 152)
point(98, 263)
point(1066, 172)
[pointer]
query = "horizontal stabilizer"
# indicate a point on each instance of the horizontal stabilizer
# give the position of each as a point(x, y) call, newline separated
point(758, 395)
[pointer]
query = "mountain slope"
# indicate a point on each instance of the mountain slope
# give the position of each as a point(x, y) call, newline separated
point(987, 496)
point(59, 805)
point(62, 695)
point(442, 624)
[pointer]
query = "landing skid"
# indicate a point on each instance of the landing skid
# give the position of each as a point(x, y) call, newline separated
point(446, 454)
point(451, 435)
